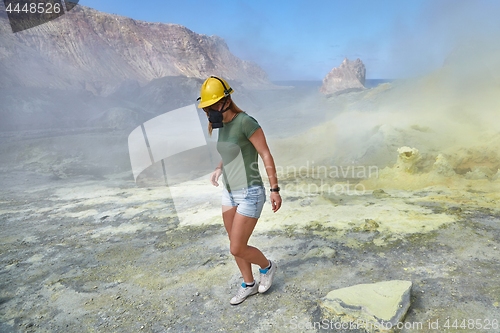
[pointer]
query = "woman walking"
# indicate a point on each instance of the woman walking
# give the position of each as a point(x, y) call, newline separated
point(240, 142)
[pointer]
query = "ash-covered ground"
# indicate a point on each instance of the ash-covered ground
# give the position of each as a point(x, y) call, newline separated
point(397, 182)
point(82, 254)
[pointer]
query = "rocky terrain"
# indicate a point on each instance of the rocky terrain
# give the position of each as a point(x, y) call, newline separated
point(89, 50)
point(399, 182)
point(84, 248)
point(45, 108)
point(90, 253)
point(349, 76)
point(88, 69)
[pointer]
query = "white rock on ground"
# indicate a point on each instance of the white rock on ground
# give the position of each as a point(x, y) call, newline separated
point(379, 305)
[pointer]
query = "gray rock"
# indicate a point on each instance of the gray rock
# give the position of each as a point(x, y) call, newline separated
point(379, 193)
point(349, 76)
point(379, 305)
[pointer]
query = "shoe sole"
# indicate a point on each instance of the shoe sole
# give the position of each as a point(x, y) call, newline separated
point(263, 291)
point(255, 293)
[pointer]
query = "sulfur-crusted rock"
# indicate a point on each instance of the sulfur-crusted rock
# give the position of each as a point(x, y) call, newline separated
point(479, 173)
point(378, 306)
point(443, 167)
point(407, 159)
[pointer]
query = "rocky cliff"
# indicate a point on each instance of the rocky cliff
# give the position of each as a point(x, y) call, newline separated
point(349, 76)
point(94, 51)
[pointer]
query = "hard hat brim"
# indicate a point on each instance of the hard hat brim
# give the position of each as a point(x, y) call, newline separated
point(208, 103)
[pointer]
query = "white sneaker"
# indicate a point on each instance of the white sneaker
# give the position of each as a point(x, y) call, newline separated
point(266, 278)
point(244, 292)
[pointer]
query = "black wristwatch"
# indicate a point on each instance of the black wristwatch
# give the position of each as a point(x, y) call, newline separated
point(276, 189)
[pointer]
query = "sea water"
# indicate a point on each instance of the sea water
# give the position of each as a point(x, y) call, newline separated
point(369, 83)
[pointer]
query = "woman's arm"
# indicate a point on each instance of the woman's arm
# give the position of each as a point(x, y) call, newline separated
point(258, 140)
point(214, 177)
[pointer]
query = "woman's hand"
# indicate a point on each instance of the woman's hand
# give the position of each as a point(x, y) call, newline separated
point(214, 177)
point(275, 201)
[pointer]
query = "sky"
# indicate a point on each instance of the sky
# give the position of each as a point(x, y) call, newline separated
point(305, 39)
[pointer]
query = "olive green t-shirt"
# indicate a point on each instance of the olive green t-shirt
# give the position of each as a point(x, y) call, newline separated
point(239, 156)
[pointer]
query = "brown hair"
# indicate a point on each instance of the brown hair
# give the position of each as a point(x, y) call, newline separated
point(232, 106)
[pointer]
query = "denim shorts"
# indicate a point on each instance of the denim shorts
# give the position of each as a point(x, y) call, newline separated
point(249, 200)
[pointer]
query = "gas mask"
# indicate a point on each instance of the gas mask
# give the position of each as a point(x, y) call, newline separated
point(215, 117)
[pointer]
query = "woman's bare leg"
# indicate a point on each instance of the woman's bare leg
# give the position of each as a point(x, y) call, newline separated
point(239, 229)
point(244, 266)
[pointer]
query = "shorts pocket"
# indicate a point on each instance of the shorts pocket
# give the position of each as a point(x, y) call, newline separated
point(255, 195)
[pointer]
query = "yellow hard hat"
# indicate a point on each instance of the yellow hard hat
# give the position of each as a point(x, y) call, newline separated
point(212, 91)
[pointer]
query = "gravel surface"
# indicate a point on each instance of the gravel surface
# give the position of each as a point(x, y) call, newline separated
point(87, 255)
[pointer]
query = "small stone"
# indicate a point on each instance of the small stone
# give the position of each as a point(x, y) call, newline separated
point(370, 225)
point(379, 193)
point(454, 210)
